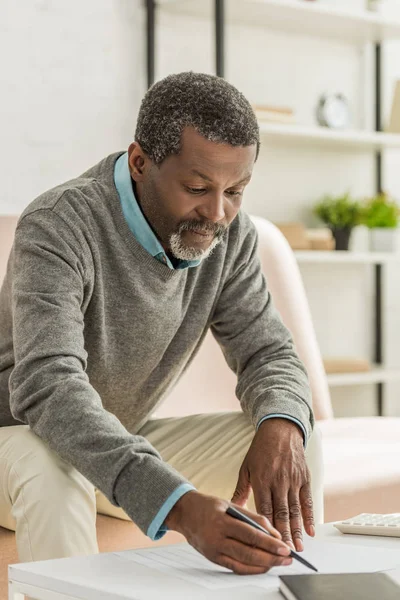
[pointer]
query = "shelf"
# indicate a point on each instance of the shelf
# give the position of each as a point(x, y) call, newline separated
point(360, 140)
point(297, 16)
point(376, 375)
point(344, 257)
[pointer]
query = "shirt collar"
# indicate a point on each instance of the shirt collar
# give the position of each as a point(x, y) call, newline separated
point(135, 218)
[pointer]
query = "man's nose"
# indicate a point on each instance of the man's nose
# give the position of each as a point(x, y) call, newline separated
point(213, 208)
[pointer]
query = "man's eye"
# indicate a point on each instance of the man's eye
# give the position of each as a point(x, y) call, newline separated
point(196, 190)
point(234, 193)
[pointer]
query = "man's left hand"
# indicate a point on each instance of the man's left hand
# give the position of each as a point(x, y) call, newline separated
point(275, 468)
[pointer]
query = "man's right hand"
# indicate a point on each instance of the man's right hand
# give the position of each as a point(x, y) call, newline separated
point(224, 540)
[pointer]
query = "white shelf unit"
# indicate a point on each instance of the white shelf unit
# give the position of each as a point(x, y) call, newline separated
point(344, 257)
point(323, 136)
point(301, 17)
point(378, 374)
point(314, 19)
point(298, 16)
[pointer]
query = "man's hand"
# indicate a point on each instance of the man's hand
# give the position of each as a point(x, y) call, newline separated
point(224, 540)
point(276, 470)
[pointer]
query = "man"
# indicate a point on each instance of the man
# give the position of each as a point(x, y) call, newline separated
point(113, 281)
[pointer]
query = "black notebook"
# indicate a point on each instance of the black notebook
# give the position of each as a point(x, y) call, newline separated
point(347, 586)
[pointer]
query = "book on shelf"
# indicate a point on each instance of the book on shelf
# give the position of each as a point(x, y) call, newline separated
point(393, 126)
point(320, 238)
point(274, 114)
point(346, 365)
point(300, 238)
point(295, 233)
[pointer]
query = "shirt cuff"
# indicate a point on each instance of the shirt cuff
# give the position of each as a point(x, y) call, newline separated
point(289, 418)
point(157, 529)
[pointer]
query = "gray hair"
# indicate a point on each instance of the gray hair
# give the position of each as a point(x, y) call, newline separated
point(209, 104)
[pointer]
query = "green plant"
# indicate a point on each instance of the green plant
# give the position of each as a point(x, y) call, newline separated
point(381, 211)
point(339, 212)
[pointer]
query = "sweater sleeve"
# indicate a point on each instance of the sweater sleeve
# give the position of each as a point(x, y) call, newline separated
point(256, 344)
point(49, 387)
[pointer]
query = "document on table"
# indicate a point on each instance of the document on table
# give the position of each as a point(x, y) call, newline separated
point(184, 562)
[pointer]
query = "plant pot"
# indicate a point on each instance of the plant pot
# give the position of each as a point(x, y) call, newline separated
point(384, 239)
point(342, 237)
point(374, 5)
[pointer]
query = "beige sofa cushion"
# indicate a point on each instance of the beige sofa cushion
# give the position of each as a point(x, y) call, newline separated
point(362, 466)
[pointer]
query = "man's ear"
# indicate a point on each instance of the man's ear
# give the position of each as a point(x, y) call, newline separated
point(138, 161)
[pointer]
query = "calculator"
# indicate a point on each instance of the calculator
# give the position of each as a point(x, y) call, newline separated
point(371, 524)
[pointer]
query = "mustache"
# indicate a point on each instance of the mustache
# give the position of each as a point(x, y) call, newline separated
point(204, 227)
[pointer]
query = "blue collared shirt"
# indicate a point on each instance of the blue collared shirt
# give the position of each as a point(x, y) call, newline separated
point(144, 234)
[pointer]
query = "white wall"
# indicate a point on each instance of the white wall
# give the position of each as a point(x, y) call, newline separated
point(72, 78)
point(74, 73)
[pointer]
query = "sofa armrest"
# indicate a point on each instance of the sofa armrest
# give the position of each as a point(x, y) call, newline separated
point(314, 458)
point(286, 286)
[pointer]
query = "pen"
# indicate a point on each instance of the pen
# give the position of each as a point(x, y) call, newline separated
point(236, 514)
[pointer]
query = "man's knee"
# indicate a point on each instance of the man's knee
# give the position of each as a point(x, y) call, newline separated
point(219, 443)
point(31, 469)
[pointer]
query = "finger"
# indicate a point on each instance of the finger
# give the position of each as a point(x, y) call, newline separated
point(263, 521)
point(296, 522)
point(240, 568)
point(281, 517)
point(246, 534)
point(253, 557)
point(243, 488)
point(263, 501)
point(307, 509)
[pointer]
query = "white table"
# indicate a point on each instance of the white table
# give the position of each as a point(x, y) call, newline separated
point(35, 579)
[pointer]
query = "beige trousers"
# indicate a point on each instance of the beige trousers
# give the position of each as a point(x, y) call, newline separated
point(52, 507)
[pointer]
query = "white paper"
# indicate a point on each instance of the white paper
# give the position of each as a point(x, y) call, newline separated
point(184, 562)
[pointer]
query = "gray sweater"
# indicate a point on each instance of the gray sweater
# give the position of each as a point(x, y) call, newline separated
point(94, 332)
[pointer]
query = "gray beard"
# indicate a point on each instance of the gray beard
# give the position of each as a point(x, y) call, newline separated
point(183, 252)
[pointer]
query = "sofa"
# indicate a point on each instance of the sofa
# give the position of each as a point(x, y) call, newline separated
point(361, 455)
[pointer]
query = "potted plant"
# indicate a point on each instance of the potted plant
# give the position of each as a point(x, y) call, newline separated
point(381, 216)
point(341, 214)
point(375, 5)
